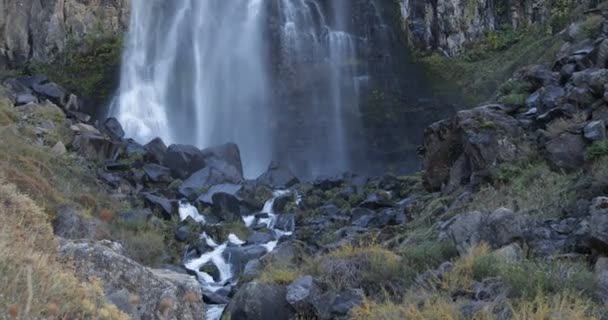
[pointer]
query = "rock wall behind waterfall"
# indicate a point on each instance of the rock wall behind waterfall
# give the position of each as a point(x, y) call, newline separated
point(449, 25)
point(39, 30)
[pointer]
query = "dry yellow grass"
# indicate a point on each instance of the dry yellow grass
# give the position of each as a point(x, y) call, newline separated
point(34, 284)
point(556, 307)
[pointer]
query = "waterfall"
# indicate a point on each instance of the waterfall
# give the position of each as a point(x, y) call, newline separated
point(278, 77)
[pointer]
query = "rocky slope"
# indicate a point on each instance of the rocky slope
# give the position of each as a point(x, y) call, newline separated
point(507, 220)
point(33, 30)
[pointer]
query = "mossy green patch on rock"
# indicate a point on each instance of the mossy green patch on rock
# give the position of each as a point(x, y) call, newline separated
point(89, 67)
point(489, 63)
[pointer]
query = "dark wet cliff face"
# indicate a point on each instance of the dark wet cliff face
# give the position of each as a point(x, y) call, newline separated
point(392, 103)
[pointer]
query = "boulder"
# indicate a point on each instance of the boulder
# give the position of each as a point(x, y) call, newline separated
point(52, 92)
point(278, 176)
point(229, 188)
point(259, 301)
point(83, 128)
point(155, 150)
point(113, 128)
point(71, 224)
point(376, 200)
point(260, 238)
point(97, 147)
point(238, 257)
point(302, 293)
point(226, 207)
point(501, 228)
point(156, 202)
point(464, 230)
point(183, 160)
point(204, 179)
point(286, 223)
point(59, 149)
point(226, 158)
point(599, 223)
point(566, 151)
point(25, 98)
point(337, 305)
point(157, 173)
point(595, 130)
point(479, 139)
point(31, 81)
point(157, 292)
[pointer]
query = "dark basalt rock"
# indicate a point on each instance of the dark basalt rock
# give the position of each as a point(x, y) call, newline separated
point(227, 159)
point(157, 173)
point(113, 128)
point(155, 150)
point(51, 91)
point(566, 151)
point(97, 147)
point(203, 179)
point(183, 160)
point(165, 205)
point(259, 301)
point(278, 176)
point(229, 188)
point(25, 98)
point(240, 256)
point(226, 207)
point(376, 200)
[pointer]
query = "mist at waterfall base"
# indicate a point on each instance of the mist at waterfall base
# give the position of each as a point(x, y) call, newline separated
point(284, 79)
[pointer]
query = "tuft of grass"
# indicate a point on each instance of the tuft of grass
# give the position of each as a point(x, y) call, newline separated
point(280, 273)
point(370, 267)
point(7, 113)
point(523, 280)
point(34, 284)
point(488, 63)
point(555, 307)
point(596, 150)
point(591, 27)
point(530, 187)
point(514, 99)
point(418, 258)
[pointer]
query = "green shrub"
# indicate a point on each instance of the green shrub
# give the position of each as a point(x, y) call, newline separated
point(514, 99)
point(370, 267)
point(591, 27)
point(596, 150)
point(89, 66)
point(427, 255)
point(527, 187)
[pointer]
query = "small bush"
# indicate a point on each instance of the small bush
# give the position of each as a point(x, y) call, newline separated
point(146, 247)
point(596, 150)
point(369, 267)
point(7, 113)
point(528, 278)
point(515, 99)
point(425, 256)
point(279, 273)
point(527, 187)
point(591, 27)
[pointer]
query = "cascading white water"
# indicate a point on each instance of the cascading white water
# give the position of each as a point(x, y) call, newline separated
point(216, 254)
point(204, 72)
